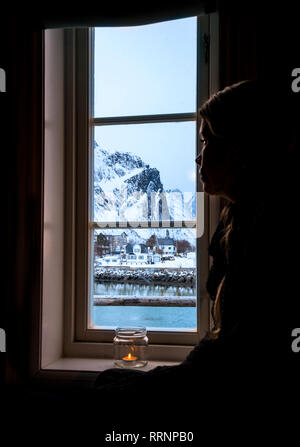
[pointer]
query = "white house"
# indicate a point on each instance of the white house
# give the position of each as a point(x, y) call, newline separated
point(138, 254)
point(167, 245)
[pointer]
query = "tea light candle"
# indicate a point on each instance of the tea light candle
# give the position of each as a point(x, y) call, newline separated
point(129, 358)
point(130, 347)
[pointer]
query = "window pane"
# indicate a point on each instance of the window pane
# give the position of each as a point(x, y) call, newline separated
point(144, 264)
point(145, 172)
point(148, 69)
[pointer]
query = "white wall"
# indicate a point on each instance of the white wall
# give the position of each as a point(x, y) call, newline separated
point(52, 318)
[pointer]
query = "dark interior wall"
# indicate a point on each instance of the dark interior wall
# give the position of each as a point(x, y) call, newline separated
point(21, 143)
point(238, 47)
point(258, 41)
point(253, 43)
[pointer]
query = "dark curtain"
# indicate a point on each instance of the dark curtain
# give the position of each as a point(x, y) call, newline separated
point(238, 51)
point(260, 41)
point(22, 176)
point(238, 47)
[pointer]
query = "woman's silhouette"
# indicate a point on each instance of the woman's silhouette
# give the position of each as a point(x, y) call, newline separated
point(249, 138)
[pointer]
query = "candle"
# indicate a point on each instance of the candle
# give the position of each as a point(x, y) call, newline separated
point(129, 358)
point(130, 347)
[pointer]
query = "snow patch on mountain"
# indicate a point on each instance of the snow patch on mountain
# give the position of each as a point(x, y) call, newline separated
point(128, 190)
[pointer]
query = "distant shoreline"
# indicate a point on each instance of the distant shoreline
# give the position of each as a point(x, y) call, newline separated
point(148, 283)
point(184, 278)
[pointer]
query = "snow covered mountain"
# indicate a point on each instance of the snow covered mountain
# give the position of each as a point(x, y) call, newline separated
point(128, 190)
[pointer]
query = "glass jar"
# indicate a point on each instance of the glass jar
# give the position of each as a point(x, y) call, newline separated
point(130, 347)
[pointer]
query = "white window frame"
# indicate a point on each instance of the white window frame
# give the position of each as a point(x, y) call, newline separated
point(78, 339)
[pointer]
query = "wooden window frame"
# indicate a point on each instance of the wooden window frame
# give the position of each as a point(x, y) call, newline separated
point(78, 340)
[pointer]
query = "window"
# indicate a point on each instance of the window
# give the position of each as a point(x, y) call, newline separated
point(136, 221)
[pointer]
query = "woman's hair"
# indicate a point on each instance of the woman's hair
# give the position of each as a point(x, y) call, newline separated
point(247, 117)
point(228, 109)
point(228, 221)
point(240, 116)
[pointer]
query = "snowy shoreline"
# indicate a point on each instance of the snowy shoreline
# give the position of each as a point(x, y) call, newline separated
point(183, 278)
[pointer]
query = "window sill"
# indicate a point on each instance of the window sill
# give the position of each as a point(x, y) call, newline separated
point(80, 373)
point(95, 365)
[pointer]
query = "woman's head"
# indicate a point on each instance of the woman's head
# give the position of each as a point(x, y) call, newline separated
point(239, 142)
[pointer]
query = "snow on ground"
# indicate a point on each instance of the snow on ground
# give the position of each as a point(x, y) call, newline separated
point(176, 263)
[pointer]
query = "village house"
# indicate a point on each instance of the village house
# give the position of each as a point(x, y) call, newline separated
point(110, 244)
point(138, 254)
point(167, 245)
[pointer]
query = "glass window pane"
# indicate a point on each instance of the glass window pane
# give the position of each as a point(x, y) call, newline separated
point(145, 172)
point(149, 69)
point(151, 264)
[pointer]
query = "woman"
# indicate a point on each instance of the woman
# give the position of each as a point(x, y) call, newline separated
point(239, 162)
point(247, 148)
point(245, 159)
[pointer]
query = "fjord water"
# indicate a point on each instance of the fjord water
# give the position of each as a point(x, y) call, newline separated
point(150, 317)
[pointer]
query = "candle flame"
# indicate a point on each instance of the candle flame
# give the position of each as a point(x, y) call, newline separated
point(129, 357)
